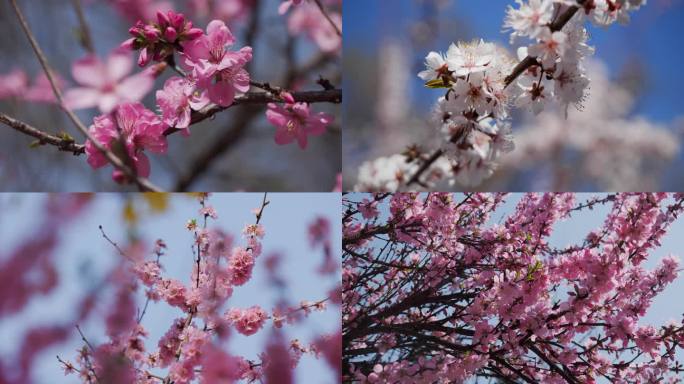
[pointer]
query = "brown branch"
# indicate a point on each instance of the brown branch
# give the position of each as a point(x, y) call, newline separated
point(62, 144)
point(519, 69)
point(332, 96)
point(142, 183)
point(202, 163)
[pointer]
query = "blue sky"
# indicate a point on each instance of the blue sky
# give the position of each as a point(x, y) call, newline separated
point(84, 256)
point(653, 37)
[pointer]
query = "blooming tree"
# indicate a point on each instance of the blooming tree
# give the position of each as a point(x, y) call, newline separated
point(193, 345)
point(482, 84)
point(211, 71)
point(434, 291)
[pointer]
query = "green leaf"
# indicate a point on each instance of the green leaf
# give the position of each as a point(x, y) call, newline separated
point(36, 144)
point(437, 83)
point(66, 137)
point(534, 269)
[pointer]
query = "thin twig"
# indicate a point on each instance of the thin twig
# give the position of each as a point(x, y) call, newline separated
point(264, 203)
point(115, 245)
point(86, 38)
point(519, 69)
point(143, 183)
point(63, 144)
point(327, 17)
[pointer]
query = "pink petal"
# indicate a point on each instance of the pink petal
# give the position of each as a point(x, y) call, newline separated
point(89, 71)
point(282, 137)
point(108, 101)
point(119, 64)
point(81, 98)
point(222, 93)
point(276, 118)
point(219, 34)
point(135, 87)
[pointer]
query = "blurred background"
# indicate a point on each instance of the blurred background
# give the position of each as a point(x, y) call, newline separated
point(627, 137)
point(234, 151)
point(82, 261)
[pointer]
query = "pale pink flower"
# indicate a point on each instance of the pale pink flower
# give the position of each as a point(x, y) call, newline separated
point(240, 266)
point(307, 19)
point(141, 9)
point(128, 131)
point(285, 5)
point(104, 83)
point(215, 67)
point(218, 367)
point(247, 321)
point(13, 84)
point(295, 122)
point(177, 100)
point(41, 90)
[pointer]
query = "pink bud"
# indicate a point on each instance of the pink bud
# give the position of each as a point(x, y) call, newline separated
point(144, 58)
point(170, 34)
point(177, 20)
point(151, 33)
point(162, 19)
point(287, 96)
point(193, 33)
point(128, 44)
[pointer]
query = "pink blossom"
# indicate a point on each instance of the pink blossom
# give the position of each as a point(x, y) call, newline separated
point(279, 367)
point(227, 10)
point(294, 121)
point(177, 100)
point(141, 9)
point(134, 127)
point(254, 230)
point(247, 321)
point(41, 90)
point(215, 67)
point(13, 84)
point(285, 5)
point(240, 266)
point(104, 84)
point(209, 211)
point(218, 367)
point(307, 19)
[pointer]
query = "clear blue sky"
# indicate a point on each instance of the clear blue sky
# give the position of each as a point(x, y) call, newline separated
point(84, 255)
point(653, 37)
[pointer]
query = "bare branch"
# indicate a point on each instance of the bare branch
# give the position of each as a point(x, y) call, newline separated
point(63, 144)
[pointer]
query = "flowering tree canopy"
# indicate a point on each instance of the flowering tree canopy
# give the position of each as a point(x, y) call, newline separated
point(433, 291)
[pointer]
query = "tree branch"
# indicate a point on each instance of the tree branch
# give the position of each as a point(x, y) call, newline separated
point(62, 144)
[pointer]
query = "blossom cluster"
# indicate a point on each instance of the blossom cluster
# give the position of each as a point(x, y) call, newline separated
point(192, 349)
point(483, 82)
point(636, 158)
point(434, 290)
point(210, 73)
